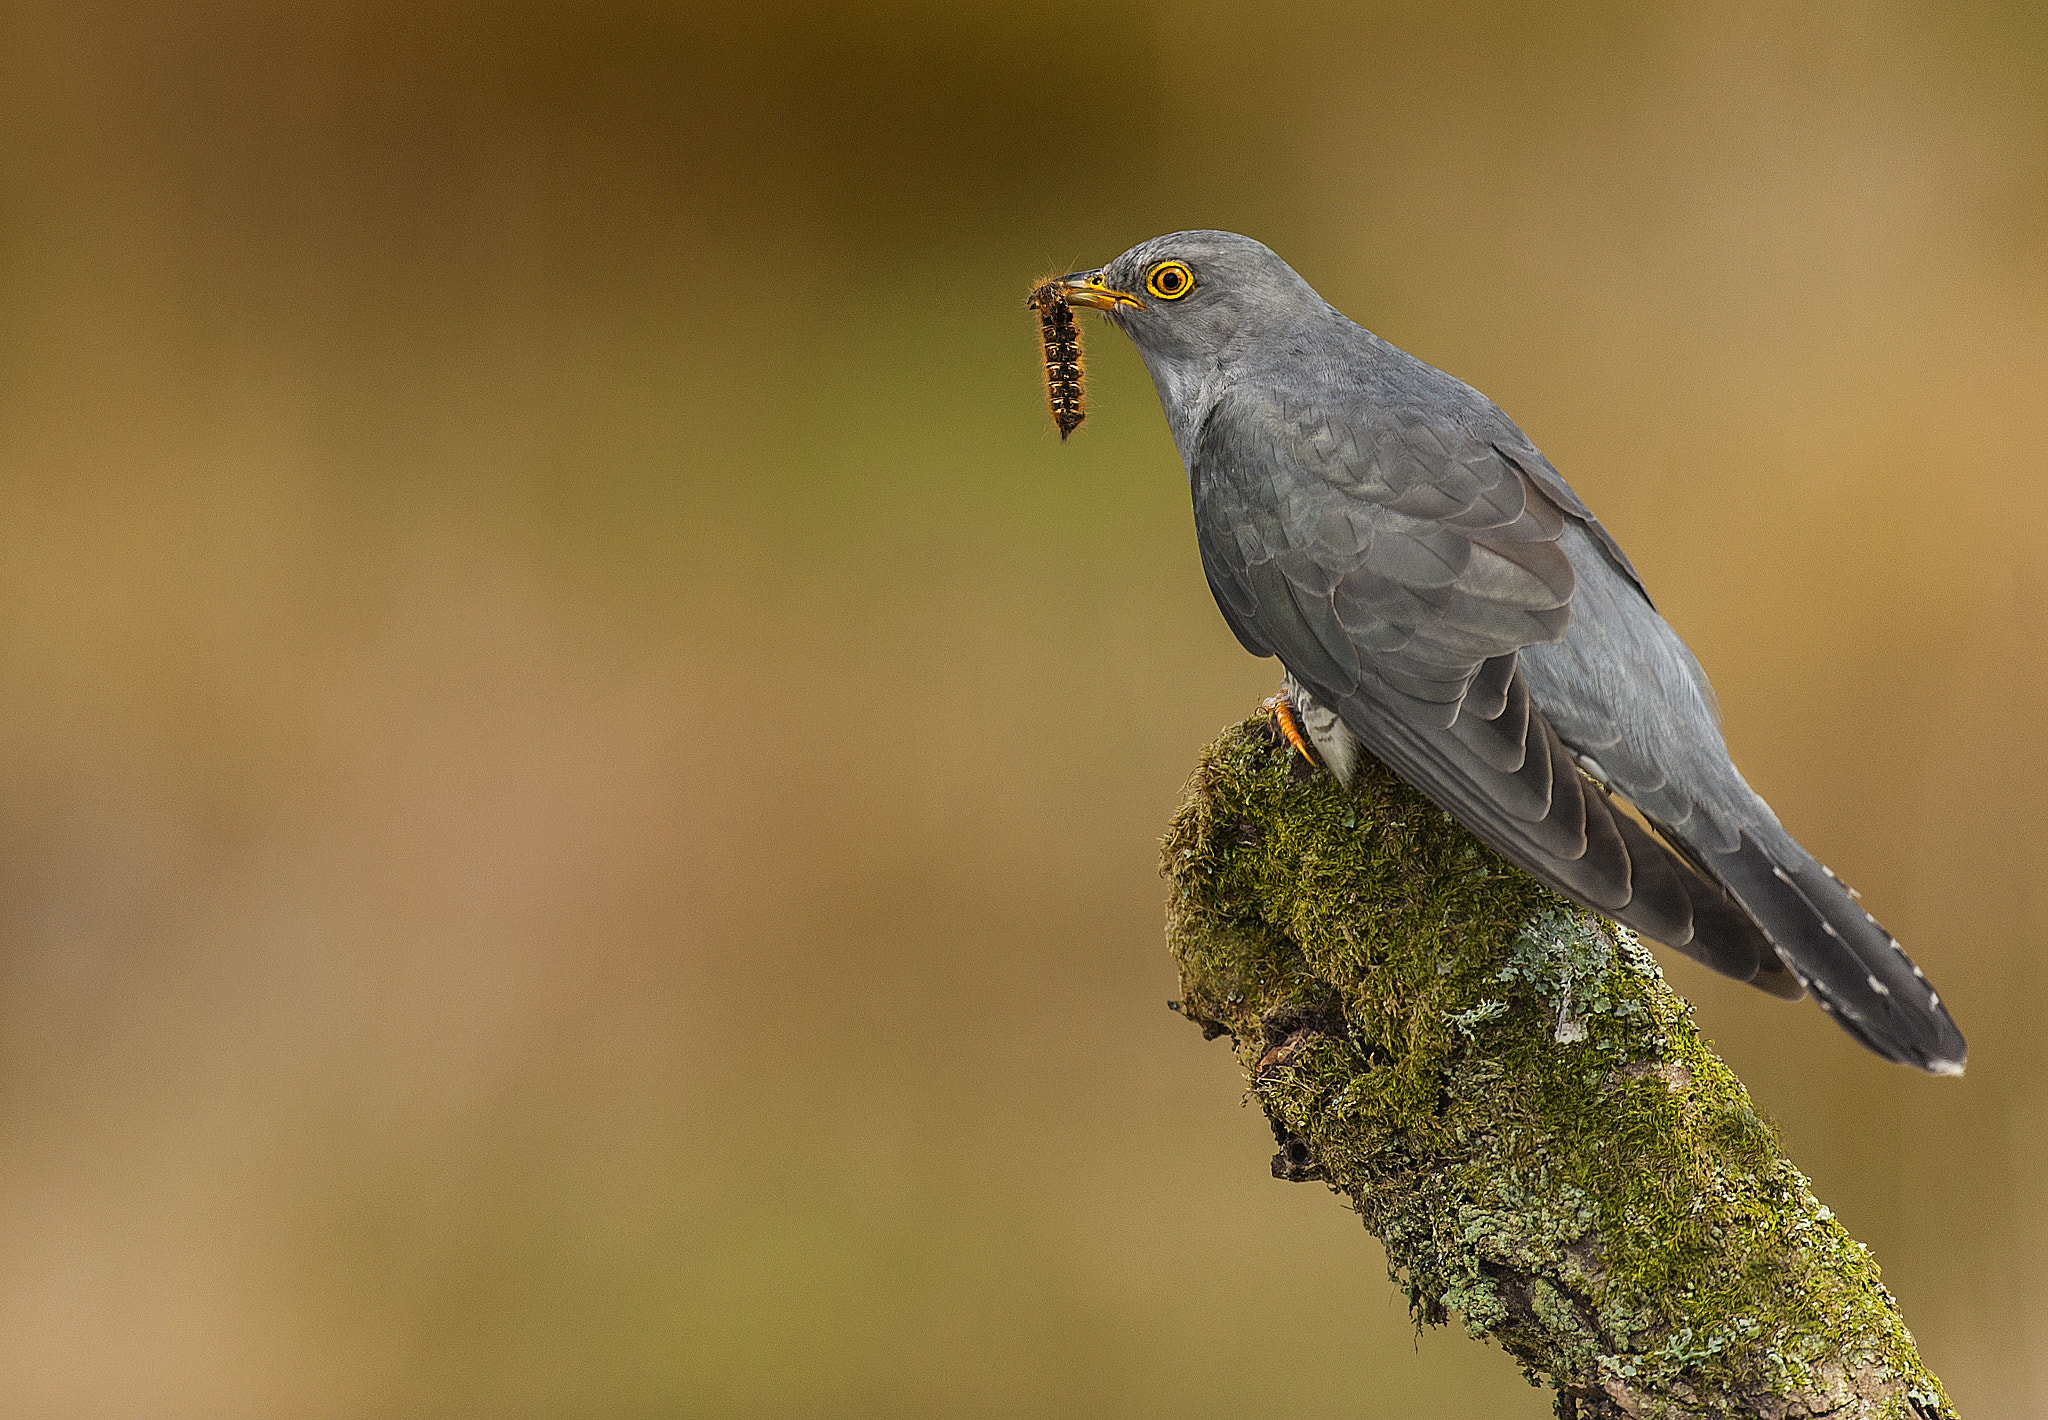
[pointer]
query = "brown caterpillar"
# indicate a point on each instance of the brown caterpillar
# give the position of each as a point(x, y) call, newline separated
point(1061, 335)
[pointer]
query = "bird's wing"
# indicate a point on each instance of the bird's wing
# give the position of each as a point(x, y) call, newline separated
point(1398, 557)
point(1397, 568)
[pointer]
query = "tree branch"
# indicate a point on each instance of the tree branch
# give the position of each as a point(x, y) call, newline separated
point(1517, 1106)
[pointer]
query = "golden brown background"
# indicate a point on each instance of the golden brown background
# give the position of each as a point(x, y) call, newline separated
point(581, 770)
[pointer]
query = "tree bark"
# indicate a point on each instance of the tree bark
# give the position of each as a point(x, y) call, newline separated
point(1517, 1106)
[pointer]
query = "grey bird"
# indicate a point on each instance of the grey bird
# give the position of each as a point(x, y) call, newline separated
point(1437, 594)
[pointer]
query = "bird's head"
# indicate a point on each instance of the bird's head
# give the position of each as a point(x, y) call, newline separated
point(1188, 298)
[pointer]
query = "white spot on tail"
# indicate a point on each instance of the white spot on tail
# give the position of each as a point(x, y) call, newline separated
point(1878, 986)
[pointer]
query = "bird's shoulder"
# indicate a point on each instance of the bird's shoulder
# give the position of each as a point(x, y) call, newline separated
point(1378, 427)
point(1334, 463)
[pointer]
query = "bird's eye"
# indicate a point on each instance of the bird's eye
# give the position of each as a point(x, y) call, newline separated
point(1170, 280)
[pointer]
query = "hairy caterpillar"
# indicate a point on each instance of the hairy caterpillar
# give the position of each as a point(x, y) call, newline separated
point(1061, 335)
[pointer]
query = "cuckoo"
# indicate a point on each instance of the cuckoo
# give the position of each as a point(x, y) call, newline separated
point(1439, 597)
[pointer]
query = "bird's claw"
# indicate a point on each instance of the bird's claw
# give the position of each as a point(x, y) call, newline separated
point(1282, 710)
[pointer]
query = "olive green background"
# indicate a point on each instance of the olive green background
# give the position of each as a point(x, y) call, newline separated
point(580, 771)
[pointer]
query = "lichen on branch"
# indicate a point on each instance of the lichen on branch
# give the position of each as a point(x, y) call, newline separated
point(1517, 1106)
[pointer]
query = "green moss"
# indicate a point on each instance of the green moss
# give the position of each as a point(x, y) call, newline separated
point(1516, 1104)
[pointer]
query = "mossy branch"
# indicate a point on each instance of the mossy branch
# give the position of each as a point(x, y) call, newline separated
point(1517, 1106)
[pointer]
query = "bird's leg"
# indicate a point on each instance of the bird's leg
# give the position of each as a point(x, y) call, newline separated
point(1282, 710)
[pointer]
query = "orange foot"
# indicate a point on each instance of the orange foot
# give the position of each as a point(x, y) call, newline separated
point(1282, 711)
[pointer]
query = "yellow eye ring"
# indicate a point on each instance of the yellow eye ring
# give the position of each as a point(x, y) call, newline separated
point(1170, 280)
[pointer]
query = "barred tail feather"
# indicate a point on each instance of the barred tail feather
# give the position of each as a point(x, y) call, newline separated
point(1854, 968)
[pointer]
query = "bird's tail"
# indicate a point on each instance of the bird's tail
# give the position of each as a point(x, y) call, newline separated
point(1853, 967)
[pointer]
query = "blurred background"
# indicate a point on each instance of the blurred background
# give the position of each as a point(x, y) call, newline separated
point(582, 770)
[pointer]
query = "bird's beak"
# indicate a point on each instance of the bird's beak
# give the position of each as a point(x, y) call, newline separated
point(1086, 288)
